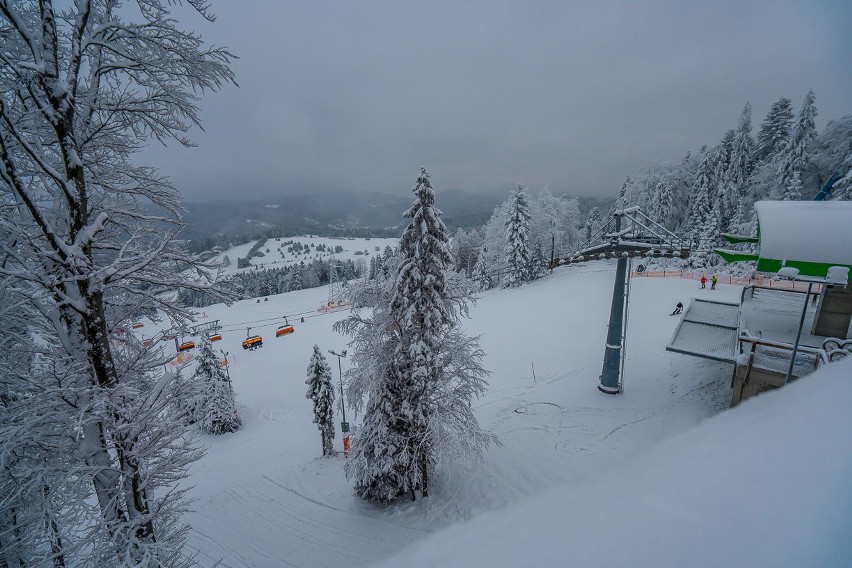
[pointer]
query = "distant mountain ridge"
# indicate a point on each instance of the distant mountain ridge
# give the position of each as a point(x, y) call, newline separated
point(330, 213)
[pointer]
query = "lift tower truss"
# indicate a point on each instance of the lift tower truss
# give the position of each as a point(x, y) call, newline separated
point(630, 233)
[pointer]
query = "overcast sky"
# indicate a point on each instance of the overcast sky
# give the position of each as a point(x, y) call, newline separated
point(571, 96)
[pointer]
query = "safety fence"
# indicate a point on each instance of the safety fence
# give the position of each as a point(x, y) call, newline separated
point(758, 280)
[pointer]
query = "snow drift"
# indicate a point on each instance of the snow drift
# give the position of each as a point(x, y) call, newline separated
point(765, 484)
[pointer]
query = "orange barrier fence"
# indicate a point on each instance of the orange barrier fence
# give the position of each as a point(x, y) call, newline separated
point(725, 279)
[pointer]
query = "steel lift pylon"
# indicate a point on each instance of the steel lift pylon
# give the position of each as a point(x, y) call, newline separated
point(629, 234)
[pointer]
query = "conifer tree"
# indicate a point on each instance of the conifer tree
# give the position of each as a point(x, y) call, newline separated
point(775, 129)
point(517, 239)
point(662, 203)
point(793, 189)
point(321, 393)
point(796, 156)
point(843, 187)
point(740, 167)
point(702, 190)
point(217, 411)
point(594, 220)
point(416, 369)
point(538, 262)
point(481, 278)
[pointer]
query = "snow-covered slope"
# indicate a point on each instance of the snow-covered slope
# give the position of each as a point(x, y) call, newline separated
point(766, 484)
point(266, 497)
point(279, 255)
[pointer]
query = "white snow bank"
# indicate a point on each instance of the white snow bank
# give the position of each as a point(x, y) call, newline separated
point(766, 484)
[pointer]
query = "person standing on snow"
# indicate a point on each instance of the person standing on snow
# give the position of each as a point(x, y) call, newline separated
point(713, 281)
point(703, 281)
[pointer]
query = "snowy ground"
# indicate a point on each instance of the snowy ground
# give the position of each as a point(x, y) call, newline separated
point(265, 497)
point(278, 255)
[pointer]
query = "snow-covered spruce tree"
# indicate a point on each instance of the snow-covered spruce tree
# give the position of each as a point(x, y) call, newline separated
point(740, 167)
point(414, 372)
point(703, 188)
point(91, 243)
point(793, 189)
point(321, 393)
point(538, 262)
point(594, 220)
point(662, 203)
point(796, 156)
point(775, 129)
point(216, 410)
point(517, 239)
point(480, 277)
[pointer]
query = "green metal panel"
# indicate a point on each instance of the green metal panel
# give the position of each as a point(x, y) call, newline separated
point(735, 255)
point(738, 239)
point(817, 269)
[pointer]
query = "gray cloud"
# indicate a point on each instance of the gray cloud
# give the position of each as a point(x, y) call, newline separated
point(573, 96)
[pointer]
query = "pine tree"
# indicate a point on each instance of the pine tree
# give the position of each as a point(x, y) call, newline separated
point(662, 203)
point(217, 408)
point(593, 222)
point(700, 197)
point(480, 276)
point(775, 130)
point(538, 262)
point(793, 189)
point(416, 370)
point(517, 239)
point(740, 167)
point(843, 187)
point(321, 393)
point(796, 157)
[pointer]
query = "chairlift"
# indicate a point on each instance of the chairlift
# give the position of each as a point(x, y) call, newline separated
point(252, 342)
point(186, 346)
point(215, 337)
point(137, 325)
point(285, 329)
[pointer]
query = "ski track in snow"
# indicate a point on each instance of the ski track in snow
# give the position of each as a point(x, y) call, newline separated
point(278, 526)
point(265, 497)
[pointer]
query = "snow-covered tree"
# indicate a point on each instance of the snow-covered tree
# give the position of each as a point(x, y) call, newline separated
point(89, 241)
point(738, 173)
point(481, 278)
point(415, 372)
point(662, 203)
point(793, 189)
point(796, 157)
point(775, 129)
point(702, 197)
point(517, 239)
point(538, 262)
point(321, 393)
point(593, 222)
point(217, 408)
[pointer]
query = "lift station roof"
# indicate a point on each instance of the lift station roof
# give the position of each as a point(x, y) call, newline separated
point(809, 235)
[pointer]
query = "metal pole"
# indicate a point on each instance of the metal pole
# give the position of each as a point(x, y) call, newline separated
point(344, 425)
point(798, 335)
point(612, 355)
point(342, 405)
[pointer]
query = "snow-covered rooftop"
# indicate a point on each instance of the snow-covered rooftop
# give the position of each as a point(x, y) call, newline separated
point(806, 231)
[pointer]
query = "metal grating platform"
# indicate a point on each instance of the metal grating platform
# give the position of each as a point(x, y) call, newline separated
point(708, 329)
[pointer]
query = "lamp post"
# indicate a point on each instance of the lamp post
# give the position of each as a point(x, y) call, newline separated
point(344, 425)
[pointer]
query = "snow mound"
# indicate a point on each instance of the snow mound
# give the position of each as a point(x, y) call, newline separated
point(765, 484)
